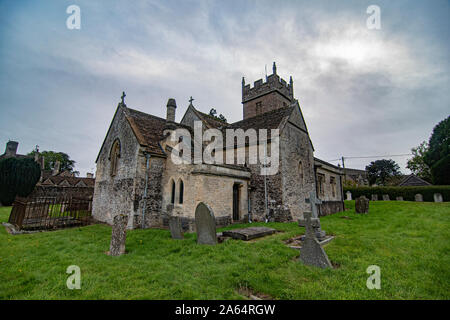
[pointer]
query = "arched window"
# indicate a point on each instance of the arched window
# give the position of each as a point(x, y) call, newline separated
point(172, 198)
point(180, 198)
point(114, 157)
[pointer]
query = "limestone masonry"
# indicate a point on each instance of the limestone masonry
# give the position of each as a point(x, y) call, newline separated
point(136, 176)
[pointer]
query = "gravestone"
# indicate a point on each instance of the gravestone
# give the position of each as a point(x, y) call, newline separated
point(399, 198)
point(205, 224)
point(176, 230)
point(386, 197)
point(249, 233)
point(437, 197)
point(374, 197)
point(362, 205)
point(313, 201)
point(119, 235)
point(418, 197)
point(311, 252)
point(349, 195)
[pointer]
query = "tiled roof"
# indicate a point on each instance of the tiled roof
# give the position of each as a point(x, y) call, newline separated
point(268, 120)
point(413, 180)
point(71, 181)
point(148, 129)
point(210, 121)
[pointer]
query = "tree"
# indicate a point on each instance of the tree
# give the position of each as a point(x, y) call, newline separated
point(382, 171)
point(17, 177)
point(50, 158)
point(213, 113)
point(417, 163)
point(438, 155)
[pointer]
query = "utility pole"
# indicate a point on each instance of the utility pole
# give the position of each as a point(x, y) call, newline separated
point(343, 167)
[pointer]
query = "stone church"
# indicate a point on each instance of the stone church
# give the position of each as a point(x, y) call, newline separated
point(136, 176)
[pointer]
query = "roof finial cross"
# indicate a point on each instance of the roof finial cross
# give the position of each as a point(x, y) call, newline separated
point(191, 99)
point(123, 97)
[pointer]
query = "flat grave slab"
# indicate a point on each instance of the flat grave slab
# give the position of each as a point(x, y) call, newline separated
point(296, 242)
point(249, 233)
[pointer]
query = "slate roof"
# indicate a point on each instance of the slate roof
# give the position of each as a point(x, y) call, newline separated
point(413, 180)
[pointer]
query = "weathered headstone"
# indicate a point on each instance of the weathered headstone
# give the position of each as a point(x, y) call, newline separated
point(437, 197)
point(386, 197)
point(205, 224)
point(176, 230)
point(400, 198)
point(313, 201)
point(374, 197)
point(311, 252)
point(349, 195)
point(362, 205)
point(418, 197)
point(119, 235)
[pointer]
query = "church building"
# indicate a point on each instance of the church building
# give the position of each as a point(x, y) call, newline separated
point(136, 175)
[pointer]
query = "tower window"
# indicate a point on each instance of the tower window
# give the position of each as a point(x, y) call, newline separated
point(258, 107)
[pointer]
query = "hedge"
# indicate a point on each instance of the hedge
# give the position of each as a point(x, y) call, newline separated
point(408, 193)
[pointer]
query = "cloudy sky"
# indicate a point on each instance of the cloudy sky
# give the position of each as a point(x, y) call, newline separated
point(363, 92)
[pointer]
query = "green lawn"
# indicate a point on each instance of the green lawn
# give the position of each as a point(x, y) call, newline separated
point(408, 241)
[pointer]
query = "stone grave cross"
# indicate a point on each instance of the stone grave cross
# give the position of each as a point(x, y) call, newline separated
point(314, 202)
point(311, 252)
point(320, 234)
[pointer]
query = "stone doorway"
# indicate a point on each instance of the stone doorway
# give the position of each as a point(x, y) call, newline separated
point(236, 201)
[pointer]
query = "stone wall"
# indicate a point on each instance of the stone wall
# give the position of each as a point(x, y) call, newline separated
point(115, 195)
point(211, 184)
point(269, 102)
point(297, 183)
point(330, 207)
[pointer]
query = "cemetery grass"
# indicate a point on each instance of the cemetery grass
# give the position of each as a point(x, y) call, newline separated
point(408, 241)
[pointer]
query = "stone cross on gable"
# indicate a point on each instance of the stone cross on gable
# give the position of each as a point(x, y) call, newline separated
point(314, 202)
point(123, 97)
point(190, 100)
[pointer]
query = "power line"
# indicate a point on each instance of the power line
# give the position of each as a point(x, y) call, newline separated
point(368, 157)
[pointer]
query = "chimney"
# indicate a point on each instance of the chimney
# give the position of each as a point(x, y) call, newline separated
point(171, 106)
point(56, 168)
point(11, 148)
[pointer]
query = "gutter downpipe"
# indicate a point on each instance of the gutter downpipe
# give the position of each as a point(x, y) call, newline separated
point(147, 157)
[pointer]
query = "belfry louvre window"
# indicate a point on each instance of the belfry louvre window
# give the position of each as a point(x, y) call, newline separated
point(258, 107)
point(114, 157)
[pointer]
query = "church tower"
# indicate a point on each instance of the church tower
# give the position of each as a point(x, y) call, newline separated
point(266, 96)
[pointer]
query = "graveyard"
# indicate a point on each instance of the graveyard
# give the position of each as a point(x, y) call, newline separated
point(409, 241)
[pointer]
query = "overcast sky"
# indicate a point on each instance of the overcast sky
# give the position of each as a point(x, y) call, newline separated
point(363, 92)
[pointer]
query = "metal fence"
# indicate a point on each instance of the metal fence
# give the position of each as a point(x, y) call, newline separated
point(50, 213)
